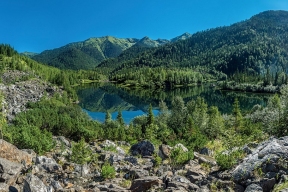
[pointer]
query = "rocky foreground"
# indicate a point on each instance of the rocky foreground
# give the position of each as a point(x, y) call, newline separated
point(265, 166)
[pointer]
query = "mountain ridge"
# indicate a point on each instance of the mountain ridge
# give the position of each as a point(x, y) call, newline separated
point(251, 46)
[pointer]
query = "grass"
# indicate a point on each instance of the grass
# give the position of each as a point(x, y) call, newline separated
point(125, 183)
point(281, 186)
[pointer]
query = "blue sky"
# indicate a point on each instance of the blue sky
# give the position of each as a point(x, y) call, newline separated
point(37, 25)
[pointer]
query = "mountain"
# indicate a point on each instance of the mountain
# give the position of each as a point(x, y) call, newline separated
point(250, 46)
point(29, 54)
point(147, 42)
point(181, 37)
point(85, 54)
point(89, 53)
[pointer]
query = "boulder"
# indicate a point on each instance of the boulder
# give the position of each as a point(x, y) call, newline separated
point(108, 143)
point(182, 147)
point(48, 164)
point(182, 182)
point(12, 153)
point(143, 184)
point(138, 173)
point(254, 188)
point(33, 184)
point(269, 156)
point(83, 170)
point(9, 171)
point(205, 159)
point(131, 159)
point(206, 151)
point(143, 148)
point(62, 140)
point(267, 184)
point(164, 151)
point(4, 187)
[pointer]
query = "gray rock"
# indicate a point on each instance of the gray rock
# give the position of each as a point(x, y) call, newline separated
point(247, 149)
point(115, 158)
point(254, 188)
point(33, 184)
point(271, 175)
point(9, 171)
point(205, 159)
point(273, 147)
point(203, 189)
point(268, 184)
point(195, 176)
point(270, 155)
point(180, 179)
point(143, 148)
point(164, 151)
point(143, 184)
point(83, 170)
point(4, 187)
point(135, 173)
point(182, 147)
point(44, 159)
point(102, 187)
point(131, 159)
point(56, 185)
point(108, 143)
point(120, 151)
point(206, 151)
point(48, 164)
point(63, 140)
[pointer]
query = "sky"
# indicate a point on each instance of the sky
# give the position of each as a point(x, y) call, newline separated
point(38, 25)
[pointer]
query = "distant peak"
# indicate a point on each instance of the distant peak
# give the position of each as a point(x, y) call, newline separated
point(181, 37)
point(145, 38)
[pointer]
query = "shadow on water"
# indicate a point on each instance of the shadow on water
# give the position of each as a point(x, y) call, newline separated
point(96, 99)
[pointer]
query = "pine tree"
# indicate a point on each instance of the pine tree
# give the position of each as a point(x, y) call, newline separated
point(108, 117)
point(237, 114)
point(150, 118)
point(120, 118)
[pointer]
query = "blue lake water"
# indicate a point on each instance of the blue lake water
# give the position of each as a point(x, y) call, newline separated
point(97, 99)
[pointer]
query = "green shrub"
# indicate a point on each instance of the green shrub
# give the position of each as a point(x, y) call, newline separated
point(107, 171)
point(59, 119)
point(179, 157)
point(157, 160)
point(227, 161)
point(30, 137)
point(110, 148)
point(81, 153)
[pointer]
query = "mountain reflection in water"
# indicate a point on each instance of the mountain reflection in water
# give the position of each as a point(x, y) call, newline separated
point(96, 99)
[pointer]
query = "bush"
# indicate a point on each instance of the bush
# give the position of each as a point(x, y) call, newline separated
point(30, 137)
point(81, 153)
point(107, 171)
point(179, 157)
point(157, 160)
point(228, 160)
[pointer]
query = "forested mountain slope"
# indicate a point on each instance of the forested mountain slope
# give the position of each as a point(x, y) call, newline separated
point(251, 46)
point(89, 53)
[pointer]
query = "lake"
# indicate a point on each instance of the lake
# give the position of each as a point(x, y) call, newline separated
point(96, 99)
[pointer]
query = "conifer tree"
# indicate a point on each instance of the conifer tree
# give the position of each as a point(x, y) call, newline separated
point(120, 118)
point(150, 118)
point(108, 117)
point(237, 114)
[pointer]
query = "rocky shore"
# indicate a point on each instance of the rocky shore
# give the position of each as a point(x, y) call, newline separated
point(264, 167)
